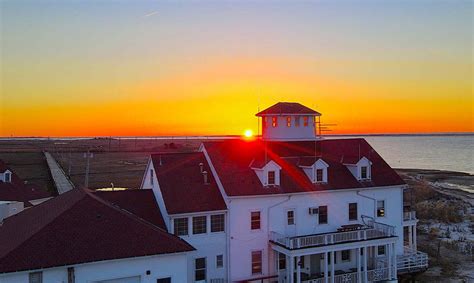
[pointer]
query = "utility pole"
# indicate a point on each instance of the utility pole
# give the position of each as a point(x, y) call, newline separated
point(87, 155)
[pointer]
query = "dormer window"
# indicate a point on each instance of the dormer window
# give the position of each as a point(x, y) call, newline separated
point(8, 177)
point(269, 174)
point(319, 175)
point(316, 172)
point(364, 172)
point(271, 177)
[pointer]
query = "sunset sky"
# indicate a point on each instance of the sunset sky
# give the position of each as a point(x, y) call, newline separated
point(128, 68)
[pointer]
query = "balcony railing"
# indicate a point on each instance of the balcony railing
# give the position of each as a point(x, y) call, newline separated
point(409, 215)
point(372, 230)
point(378, 274)
point(412, 261)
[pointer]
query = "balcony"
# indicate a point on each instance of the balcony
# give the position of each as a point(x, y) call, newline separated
point(412, 261)
point(378, 274)
point(369, 231)
point(409, 215)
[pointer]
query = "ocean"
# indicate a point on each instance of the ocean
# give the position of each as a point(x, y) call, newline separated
point(441, 152)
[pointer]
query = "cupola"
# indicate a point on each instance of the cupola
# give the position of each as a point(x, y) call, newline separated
point(289, 121)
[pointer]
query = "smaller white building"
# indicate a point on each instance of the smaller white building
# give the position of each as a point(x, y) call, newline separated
point(85, 237)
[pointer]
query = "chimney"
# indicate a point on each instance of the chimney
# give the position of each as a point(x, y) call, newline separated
point(204, 174)
point(201, 167)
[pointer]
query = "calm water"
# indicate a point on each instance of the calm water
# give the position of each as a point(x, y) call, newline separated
point(454, 153)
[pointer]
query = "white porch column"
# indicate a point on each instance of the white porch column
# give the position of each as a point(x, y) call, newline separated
point(287, 268)
point(326, 278)
point(410, 237)
point(365, 264)
point(389, 259)
point(332, 267)
point(298, 270)
point(394, 261)
point(414, 238)
point(291, 268)
point(359, 273)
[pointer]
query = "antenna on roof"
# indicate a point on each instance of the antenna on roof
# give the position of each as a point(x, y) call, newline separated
point(161, 161)
point(359, 150)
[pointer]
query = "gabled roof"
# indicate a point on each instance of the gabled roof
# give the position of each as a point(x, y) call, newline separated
point(17, 190)
point(142, 203)
point(282, 108)
point(231, 159)
point(79, 227)
point(182, 183)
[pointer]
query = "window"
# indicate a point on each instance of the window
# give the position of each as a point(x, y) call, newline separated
point(364, 173)
point(199, 225)
point(217, 223)
point(288, 121)
point(380, 208)
point(319, 175)
point(219, 261)
point(8, 177)
point(181, 226)
point(200, 269)
point(163, 280)
point(255, 220)
point(71, 277)
point(151, 176)
point(381, 250)
point(346, 255)
point(297, 121)
point(274, 122)
point(271, 177)
point(256, 262)
point(36, 277)
point(290, 215)
point(353, 211)
point(301, 263)
point(305, 121)
point(323, 215)
point(281, 261)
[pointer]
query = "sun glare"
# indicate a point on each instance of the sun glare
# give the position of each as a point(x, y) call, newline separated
point(248, 133)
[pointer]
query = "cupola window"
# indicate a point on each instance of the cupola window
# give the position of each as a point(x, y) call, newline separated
point(274, 122)
point(305, 121)
point(288, 121)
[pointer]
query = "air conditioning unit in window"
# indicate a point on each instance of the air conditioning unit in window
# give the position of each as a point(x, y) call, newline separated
point(313, 210)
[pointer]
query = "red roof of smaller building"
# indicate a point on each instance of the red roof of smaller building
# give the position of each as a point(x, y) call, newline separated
point(142, 203)
point(79, 227)
point(17, 190)
point(282, 108)
point(182, 183)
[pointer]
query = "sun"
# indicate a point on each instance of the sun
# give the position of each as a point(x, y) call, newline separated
point(248, 133)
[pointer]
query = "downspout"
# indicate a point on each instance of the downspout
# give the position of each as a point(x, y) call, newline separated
point(268, 226)
point(375, 202)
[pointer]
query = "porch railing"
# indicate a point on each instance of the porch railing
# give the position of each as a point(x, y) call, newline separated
point(371, 231)
point(409, 215)
point(412, 261)
point(352, 277)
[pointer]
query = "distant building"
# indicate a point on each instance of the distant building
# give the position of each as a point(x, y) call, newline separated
point(290, 207)
point(82, 236)
point(15, 195)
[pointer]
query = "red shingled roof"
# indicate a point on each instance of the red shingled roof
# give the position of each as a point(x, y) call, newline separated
point(232, 159)
point(282, 108)
point(17, 190)
point(78, 227)
point(142, 203)
point(182, 183)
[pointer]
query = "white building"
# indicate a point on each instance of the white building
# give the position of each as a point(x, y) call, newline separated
point(15, 195)
point(85, 237)
point(296, 208)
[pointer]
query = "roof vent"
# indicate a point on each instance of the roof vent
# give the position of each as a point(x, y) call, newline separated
point(204, 174)
point(201, 167)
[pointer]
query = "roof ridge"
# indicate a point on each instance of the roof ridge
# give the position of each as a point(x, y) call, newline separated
point(8, 251)
point(134, 217)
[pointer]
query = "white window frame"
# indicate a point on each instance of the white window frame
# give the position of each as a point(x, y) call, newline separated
point(251, 262)
point(287, 217)
point(274, 178)
point(187, 225)
point(223, 225)
point(221, 265)
point(205, 225)
point(259, 220)
point(205, 268)
point(384, 208)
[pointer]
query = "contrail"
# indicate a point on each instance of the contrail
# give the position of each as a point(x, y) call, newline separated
point(150, 14)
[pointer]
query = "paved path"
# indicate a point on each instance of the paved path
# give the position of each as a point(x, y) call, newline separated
point(62, 182)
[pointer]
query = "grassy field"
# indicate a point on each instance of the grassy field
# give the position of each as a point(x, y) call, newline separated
point(118, 161)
